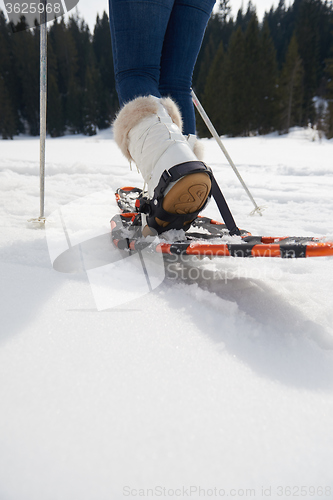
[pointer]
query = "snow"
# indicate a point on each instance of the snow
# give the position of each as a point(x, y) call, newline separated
point(221, 377)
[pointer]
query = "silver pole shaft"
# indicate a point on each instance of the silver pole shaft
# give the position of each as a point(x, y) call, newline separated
point(43, 103)
point(214, 133)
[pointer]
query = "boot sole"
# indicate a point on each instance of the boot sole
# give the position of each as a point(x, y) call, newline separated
point(188, 195)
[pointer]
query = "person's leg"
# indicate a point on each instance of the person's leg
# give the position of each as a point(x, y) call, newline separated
point(148, 128)
point(181, 46)
point(138, 29)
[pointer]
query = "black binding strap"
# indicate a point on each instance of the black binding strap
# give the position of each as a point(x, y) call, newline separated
point(177, 172)
point(223, 208)
point(154, 209)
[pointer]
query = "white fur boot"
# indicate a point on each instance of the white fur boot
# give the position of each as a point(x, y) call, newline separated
point(148, 131)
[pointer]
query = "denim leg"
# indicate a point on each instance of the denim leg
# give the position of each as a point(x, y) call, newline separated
point(181, 46)
point(155, 45)
point(138, 29)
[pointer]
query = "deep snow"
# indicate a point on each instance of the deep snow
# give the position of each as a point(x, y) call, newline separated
point(224, 383)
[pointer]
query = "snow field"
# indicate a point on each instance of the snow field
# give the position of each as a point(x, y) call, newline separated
point(222, 383)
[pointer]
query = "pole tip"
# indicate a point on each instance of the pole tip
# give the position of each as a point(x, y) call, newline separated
point(38, 223)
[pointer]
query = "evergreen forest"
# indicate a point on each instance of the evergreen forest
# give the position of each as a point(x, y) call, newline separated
point(252, 77)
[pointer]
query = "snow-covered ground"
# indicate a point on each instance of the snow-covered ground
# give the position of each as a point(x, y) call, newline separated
point(201, 388)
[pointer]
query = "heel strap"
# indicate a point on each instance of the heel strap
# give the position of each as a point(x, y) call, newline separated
point(153, 207)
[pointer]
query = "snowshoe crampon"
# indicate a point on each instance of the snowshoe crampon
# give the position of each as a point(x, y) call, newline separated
point(206, 237)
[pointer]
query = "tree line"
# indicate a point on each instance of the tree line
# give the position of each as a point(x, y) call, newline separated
point(81, 86)
point(258, 78)
point(252, 78)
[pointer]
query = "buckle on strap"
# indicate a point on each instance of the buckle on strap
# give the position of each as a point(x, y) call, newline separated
point(166, 177)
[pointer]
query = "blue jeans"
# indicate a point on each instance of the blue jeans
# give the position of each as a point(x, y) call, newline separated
point(155, 46)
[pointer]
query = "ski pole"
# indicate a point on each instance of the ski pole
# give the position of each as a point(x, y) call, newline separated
point(42, 111)
point(43, 101)
point(214, 133)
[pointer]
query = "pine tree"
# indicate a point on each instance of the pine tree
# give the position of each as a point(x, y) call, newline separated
point(86, 75)
point(268, 83)
point(243, 19)
point(206, 64)
point(291, 88)
point(65, 53)
point(281, 25)
point(325, 33)
point(69, 85)
point(213, 98)
point(7, 117)
point(90, 102)
point(253, 68)
point(26, 57)
point(329, 71)
point(74, 106)
point(107, 99)
point(207, 53)
point(235, 95)
point(224, 10)
point(78, 30)
point(55, 111)
point(308, 39)
point(8, 111)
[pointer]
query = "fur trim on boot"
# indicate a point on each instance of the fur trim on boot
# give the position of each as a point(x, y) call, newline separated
point(135, 111)
point(173, 111)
